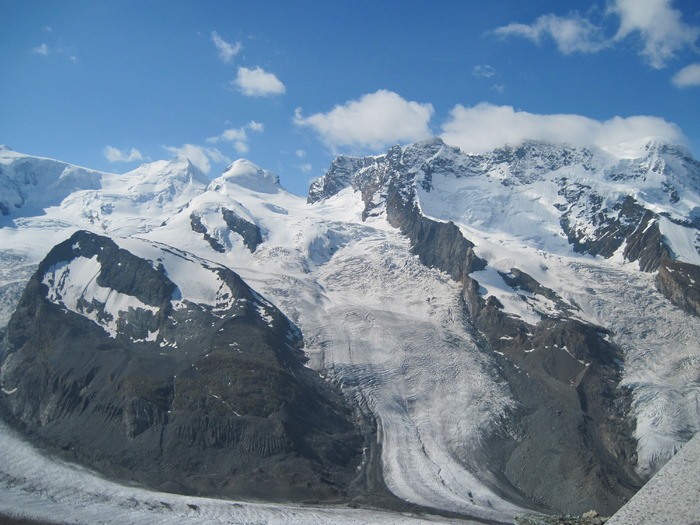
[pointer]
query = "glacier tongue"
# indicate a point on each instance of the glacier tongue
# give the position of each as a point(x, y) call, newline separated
point(36, 487)
point(394, 340)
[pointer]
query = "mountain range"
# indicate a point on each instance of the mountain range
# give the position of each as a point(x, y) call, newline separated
point(428, 331)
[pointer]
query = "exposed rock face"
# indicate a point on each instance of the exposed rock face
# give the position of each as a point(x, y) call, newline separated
point(680, 282)
point(197, 226)
point(250, 233)
point(631, 226)
point(252, 237)
point(184, 396)
point(339, 176)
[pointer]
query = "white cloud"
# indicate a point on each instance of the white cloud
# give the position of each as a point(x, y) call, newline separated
point(239, 136)
point(300, 153)
point(226, 51)
point(484, 71)
point(256, 126)
point(305, 168)
point(241, 147)
point(660, 26)
point(199, 156)
point(485, 126)
point(688, 76)
point(258, 82)
point(43, 49)
point(232, 135)
point(114, 155)
point(571, 33)
point(373, 122)
point(656, 22)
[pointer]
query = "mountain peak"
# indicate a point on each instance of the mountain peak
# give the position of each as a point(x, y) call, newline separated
point(182, 164)
point(645, 147)
point(248, 175)
point(162, 173)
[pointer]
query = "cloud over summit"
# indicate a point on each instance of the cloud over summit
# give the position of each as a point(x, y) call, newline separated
point(372, 122)
point(483, 127)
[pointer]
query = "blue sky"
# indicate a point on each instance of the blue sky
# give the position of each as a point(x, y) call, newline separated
point(110, 85)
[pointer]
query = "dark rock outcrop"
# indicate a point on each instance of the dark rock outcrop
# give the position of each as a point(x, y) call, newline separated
point(680, 282)
point(633, 227)
point(198, 227)
point(339, 176)
point(218, 403)
point(250, 232)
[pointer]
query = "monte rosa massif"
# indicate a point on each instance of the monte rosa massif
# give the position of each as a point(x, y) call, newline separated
point(430, 335)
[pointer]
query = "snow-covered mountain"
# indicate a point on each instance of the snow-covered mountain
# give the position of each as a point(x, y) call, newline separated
point(512, 330)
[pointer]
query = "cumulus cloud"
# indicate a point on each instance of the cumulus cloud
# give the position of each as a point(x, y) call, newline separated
point(199, 156)
point(258, 83)
point(373, 122)
point(239, 136)
point(300, 153)
point(659, 25)
point(688, 76)
point(306, 168)
point(114, 155)
point(571, 33)
point(485, 126)
point(226, 50)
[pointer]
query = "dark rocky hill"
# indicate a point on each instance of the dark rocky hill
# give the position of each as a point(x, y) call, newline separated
point(226, 407)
